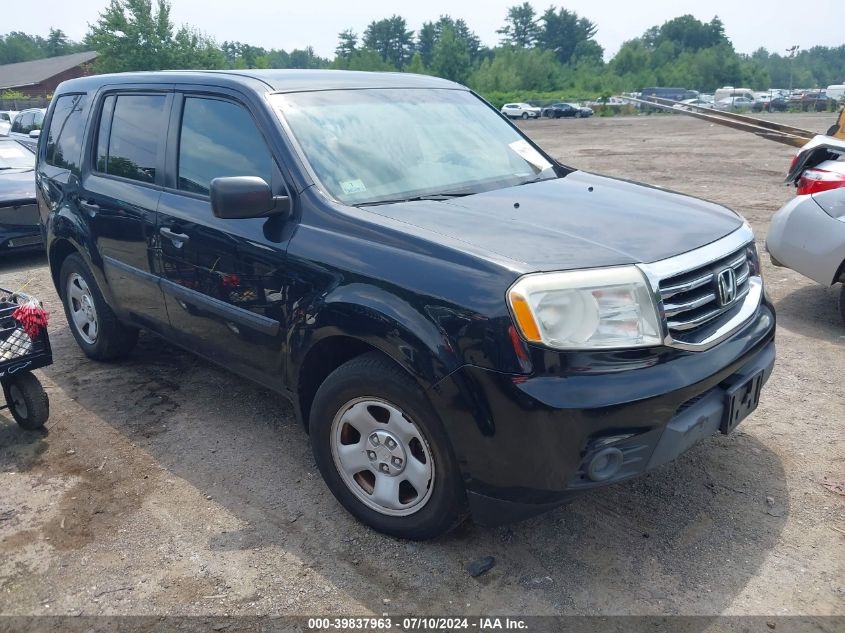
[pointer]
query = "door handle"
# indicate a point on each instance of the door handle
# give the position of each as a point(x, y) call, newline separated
point(174, 237)
point(89, 207)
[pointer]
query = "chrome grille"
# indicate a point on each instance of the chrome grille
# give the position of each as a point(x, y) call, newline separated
point(692, 304)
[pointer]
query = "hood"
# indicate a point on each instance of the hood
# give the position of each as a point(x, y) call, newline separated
point(17, 185)
point(579, 221)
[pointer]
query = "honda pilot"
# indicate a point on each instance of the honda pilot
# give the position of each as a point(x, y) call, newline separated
point(464, 325)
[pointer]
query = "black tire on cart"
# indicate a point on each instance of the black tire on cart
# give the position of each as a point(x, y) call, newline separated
point(27, 400)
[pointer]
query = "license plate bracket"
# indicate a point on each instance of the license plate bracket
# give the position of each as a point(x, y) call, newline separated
point(740, 401)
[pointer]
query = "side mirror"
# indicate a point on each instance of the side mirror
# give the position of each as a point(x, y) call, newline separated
point(241, 197)
point(34, 133)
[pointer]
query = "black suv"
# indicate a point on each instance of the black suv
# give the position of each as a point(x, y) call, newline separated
point(463, 324)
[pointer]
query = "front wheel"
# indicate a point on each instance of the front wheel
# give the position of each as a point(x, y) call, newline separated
point(383, 452)
point(524, 116)
point(27, 401)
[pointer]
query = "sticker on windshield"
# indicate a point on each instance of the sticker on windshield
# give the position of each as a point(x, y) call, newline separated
point(529, 154)
point(11, 152)
point(352, 186)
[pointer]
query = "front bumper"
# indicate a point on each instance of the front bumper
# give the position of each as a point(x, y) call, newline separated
point(803, 237)
point(525, 443)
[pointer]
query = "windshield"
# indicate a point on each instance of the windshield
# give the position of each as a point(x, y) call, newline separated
point(13, 155)
point(368, 146)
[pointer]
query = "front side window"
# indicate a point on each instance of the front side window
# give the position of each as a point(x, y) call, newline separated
point(137, 130)
point(219, 139)
point(64, 138)
point(378, 145)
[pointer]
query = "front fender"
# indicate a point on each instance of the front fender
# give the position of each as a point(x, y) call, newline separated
point(370, 314)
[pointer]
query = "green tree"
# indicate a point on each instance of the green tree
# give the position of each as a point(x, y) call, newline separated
point(135, 35)
point(347, 44)
point(391, 39)
point(58, 44)
point(521, 28)
point(426, 39)
point(21, 47)
point(514, 69)
point(450, 58)
point(562, 32)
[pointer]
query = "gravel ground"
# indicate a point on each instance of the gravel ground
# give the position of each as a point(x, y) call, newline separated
point(167, 486)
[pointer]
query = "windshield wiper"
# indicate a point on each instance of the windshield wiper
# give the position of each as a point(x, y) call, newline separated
point(437, 197)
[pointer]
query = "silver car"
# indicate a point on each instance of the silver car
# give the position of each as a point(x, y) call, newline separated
point(808, 233)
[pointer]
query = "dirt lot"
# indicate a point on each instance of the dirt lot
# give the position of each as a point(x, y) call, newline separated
point(167, 486)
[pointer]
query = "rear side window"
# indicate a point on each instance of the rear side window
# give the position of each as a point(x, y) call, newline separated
point(23, 123)
point(134, 138)
point(64, 138)
point(218, 139)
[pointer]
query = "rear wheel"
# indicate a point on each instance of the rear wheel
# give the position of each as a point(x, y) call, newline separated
point(92, 322)
point(383, 452)
point(27, 400)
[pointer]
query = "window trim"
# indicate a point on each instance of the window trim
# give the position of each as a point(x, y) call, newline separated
point(47, 125)
point(94, 134)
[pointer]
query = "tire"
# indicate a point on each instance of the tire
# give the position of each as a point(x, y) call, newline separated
point(524, 116)
point(577, 115)
point(379, 398)
point(27, 400)
point(107, 338)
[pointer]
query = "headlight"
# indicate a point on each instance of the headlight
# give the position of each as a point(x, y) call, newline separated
point(586, 309)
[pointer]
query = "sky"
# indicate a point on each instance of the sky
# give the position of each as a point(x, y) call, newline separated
point(750, 24)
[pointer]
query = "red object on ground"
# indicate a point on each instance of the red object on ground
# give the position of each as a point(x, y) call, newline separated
point(32, 318)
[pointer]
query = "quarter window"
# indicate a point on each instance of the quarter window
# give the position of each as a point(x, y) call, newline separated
point(64, 138)
point(218, 139)
point(137, 129)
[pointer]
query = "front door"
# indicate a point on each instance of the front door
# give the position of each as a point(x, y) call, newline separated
point(222, 279)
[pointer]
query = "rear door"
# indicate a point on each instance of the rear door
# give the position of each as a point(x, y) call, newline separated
point(222, 279)
point(119, 196)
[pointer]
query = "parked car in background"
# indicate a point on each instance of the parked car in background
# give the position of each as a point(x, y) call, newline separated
point(674, 94)
point(561, 110)
point(734, 103)
point(775, 104)
point(520, 111)
point(19, 228)
point(729, 92)
point(351, 240)
point(808, 233)
point(693, 102)
point(6, 117)
point(27, 124)
point(816, 101)
point(836, 92)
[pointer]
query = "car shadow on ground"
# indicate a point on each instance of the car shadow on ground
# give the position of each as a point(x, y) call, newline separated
point(812, 310)
point(17, 262)
point(684, 539)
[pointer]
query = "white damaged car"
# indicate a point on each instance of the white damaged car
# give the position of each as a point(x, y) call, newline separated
point(808, 233)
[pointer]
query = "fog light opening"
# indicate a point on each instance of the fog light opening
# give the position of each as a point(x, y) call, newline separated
point(605, 464)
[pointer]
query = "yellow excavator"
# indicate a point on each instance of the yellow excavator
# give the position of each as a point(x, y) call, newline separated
point(777, 132)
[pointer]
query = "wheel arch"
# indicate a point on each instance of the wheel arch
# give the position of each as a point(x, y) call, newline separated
point(341, 330)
